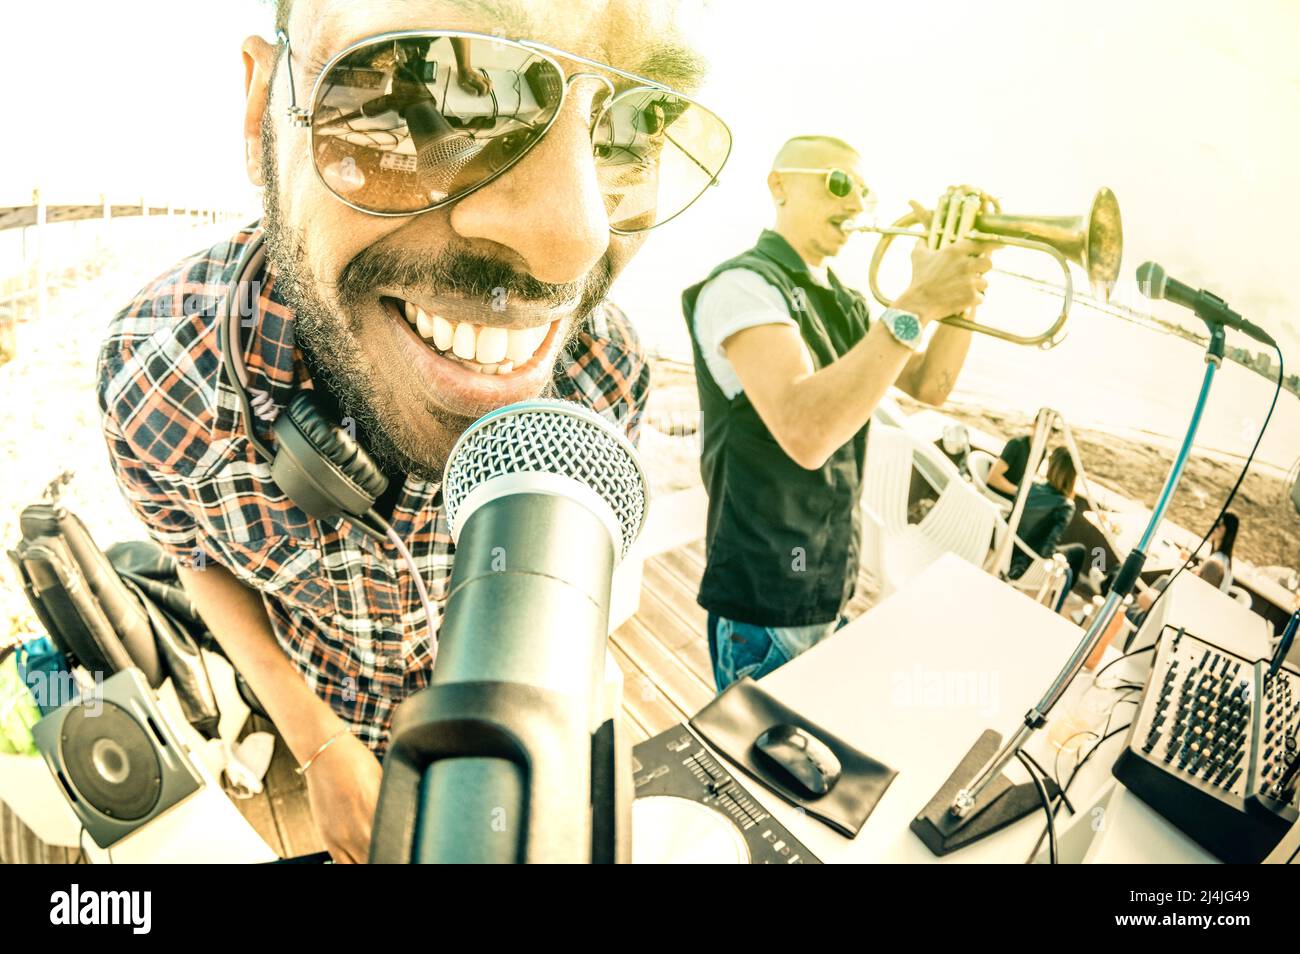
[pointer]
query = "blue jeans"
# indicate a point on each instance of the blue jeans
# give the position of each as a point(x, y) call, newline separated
point(1075, 554)
point(743, 649)
point(1065, 589)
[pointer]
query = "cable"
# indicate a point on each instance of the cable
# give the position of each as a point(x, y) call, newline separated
point(1047, 808)
point(415, 574)
point(1075, 775)
point(1042, 771)
point(1056, 762)
point(1064, 788)
point(1233, 492)
point(1136, 652)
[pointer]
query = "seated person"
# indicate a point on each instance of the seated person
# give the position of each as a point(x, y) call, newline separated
point(1216, 570)
point(1009, 469)
point(1049, 508)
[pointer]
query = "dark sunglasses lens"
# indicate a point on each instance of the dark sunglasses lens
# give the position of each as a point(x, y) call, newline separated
point(405, 125)
point(839, 183)
point(656, 153)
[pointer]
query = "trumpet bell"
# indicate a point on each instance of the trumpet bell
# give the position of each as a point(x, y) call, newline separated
point(1094, 242)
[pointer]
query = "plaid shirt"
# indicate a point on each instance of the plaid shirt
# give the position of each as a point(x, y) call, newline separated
point(343, 607)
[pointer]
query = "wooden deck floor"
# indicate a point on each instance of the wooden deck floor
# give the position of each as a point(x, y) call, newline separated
point(667, 677)
point(662, 650)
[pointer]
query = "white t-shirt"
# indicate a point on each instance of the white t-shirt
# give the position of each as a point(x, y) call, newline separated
point(733, 301)
point(1224, 564)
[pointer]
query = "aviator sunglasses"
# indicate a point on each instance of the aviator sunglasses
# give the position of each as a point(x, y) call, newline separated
point(839, 183)
point(411, 121)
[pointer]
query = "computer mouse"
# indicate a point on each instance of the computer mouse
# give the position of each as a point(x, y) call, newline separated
point(798, 760)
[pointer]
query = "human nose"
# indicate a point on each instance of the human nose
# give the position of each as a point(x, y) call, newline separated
point(548, 208)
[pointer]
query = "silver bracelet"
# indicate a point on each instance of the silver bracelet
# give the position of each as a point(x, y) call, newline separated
point(302, 769)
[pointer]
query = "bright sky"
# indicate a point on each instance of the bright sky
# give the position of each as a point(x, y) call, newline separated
point(1188, 110)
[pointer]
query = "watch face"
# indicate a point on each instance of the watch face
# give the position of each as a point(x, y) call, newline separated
point(906, 326)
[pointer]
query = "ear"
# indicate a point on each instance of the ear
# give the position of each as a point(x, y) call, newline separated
point(259, 60)
point(775, 186)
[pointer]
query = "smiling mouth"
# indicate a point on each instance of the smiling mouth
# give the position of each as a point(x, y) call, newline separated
point(485, 349)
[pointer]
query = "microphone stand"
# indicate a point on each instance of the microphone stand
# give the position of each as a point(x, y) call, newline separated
point(970, 806)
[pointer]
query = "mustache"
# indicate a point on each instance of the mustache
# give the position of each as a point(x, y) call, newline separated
point(468, 274)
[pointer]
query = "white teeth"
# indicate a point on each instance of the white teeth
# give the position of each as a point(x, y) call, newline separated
point(423, 324)
point(524, 342)
point(443, 333)
point(491, 345)
point(486, 349)
point(463, 345)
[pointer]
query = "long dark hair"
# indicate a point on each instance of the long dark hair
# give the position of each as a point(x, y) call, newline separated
point(1229, 523)
point(1061, 472)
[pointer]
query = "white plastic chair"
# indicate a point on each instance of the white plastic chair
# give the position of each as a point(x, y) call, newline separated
point(1241, 595)
point(961, 520)
point(1044, 578)
point(981, 464)
point(888, 412)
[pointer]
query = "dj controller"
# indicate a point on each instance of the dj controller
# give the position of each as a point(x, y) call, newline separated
point(674, 775)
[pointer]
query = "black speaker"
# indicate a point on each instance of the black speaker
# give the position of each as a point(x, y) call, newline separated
point(115, 758)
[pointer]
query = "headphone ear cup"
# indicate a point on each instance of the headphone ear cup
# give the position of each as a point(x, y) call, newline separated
point(319, 465)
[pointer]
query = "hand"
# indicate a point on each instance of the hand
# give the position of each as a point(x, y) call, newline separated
point(474, 81)
point(948, 281)
point(343, 790)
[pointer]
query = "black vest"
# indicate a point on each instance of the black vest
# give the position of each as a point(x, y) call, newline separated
point(782, 541)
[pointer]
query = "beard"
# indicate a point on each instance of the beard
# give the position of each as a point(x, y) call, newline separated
point(330, 335)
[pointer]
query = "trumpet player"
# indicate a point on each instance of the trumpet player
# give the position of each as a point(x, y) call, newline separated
point(789, 368)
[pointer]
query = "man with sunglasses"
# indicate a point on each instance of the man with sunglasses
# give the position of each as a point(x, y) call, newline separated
point(447, 198)
point(789, 371)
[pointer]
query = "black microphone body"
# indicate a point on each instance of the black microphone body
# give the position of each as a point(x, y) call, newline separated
point(529, 606)
point(1209, 307)
point(510, 753)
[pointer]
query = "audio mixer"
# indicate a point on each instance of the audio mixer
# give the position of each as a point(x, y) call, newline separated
point(1213, 746)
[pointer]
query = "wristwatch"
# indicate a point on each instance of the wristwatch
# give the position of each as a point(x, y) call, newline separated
point(904, 326)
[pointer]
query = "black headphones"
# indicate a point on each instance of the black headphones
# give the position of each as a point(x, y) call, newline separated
point(318, 465)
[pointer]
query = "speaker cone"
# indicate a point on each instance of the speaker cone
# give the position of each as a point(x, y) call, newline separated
point(110, 760)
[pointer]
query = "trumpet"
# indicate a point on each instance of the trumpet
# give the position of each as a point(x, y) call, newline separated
point(1094, 242)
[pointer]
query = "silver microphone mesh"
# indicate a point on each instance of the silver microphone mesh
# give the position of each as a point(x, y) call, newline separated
point(442, 160)
point(553, 437)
